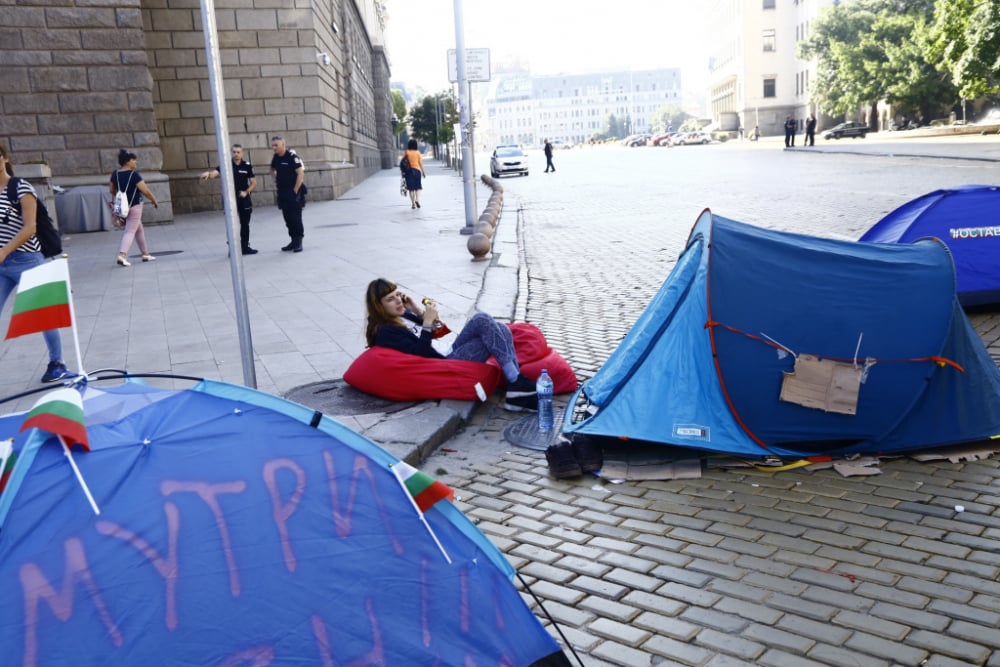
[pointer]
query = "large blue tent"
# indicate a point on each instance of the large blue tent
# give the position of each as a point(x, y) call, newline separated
point(966, 220)
point(241, 530)
point(763, 342)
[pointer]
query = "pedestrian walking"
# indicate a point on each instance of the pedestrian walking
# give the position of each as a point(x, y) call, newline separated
point(20, 251)
point(756, 133)
point(245, 183)
point(790, 126)
point(395, 320)
point(415, 175)
point(128, 180)
point(810, 139)
point(289, 176)
point(548, 157)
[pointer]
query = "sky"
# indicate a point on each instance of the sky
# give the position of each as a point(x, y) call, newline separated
point(554, 36)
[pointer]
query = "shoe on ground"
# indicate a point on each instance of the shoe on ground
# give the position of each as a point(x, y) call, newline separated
point(250, 251)
point(562, 463)
point(288, 248)
point(148, 258)
point(587, 453)
point(297, 248)
point(56, 371)
point(521, 396)
point(123, 261)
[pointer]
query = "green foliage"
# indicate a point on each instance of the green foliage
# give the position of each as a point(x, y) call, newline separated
point(869, 50)
point(399, 111)
point(424, 117)
point(613, 129)
point(668, 114)
point(965, 40)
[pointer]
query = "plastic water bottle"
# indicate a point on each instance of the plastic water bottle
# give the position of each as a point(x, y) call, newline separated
point(544, 390)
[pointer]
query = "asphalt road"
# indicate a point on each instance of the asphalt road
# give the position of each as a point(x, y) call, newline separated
point(797, 568)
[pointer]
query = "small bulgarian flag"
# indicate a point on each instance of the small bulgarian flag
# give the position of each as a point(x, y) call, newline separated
point(425, 489)
point(60, 412)
point(42, 300)
point(7, 459)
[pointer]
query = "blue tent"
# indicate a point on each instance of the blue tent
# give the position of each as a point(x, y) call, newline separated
point(762, 342)
point(965, 218)
point(238, 529)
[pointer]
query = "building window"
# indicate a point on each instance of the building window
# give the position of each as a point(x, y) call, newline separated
point(768, 87)
point(768, 4)
point(769, 40)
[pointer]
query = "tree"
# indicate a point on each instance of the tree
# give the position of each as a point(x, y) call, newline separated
point(668, 114)
point(399, 111)
point(869, 50)
point(423, 119)
point(965, 40)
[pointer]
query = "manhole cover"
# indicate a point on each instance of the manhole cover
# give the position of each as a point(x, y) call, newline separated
point(524, 432)
point(336, 397)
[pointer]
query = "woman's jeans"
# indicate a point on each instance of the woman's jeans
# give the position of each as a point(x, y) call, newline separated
point(483, 337)
point(10, 273)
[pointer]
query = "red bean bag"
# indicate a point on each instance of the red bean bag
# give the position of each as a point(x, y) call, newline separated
point(398, 376)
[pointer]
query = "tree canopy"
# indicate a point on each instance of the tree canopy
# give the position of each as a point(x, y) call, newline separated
point(964, 40)
point(424, 116)
point(869, 50)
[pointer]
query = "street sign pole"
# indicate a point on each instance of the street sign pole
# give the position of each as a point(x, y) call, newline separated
point(468, 186)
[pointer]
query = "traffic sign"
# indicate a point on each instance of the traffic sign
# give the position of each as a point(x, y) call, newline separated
point(477, 65)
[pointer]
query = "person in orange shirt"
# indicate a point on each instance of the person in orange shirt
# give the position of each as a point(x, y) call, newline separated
point(416, 173)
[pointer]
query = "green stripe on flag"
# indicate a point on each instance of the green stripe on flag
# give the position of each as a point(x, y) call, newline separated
point(63, 409)
point(43, 296)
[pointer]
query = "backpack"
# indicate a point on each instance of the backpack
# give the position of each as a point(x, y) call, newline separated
point(45, 230)
point(120, 205)
point(404, 166)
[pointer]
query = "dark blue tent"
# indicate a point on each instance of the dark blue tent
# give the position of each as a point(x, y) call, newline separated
point(238, 529)
point(762, 342)
point(966, 219)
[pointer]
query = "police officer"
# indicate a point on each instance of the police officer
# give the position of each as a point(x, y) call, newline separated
point(288, 172)
point(245, 182)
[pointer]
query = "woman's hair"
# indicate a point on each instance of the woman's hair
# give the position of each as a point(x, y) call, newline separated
point(411, 145)
point(124, 156)
point(7, 165)
point(375, 315)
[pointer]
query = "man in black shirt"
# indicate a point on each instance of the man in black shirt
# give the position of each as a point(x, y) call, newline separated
point(790, 127)
point(245, 182)
point(286, 167)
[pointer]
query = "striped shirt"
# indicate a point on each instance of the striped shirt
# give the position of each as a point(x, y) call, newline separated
point(10, 218)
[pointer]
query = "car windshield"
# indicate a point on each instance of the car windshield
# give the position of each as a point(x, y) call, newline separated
point(509, 151)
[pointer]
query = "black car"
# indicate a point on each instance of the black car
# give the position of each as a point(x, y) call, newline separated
point(849, 129)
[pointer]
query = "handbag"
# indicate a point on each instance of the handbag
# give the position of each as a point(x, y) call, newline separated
point(120, 204)
point(402, 187)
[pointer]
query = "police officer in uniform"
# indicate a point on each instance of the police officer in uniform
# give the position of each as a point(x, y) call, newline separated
point(288, 172)
point(245, 182)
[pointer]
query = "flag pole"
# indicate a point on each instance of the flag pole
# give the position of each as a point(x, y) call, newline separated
point(76, 344)
point(423, 519)
point(79, 476)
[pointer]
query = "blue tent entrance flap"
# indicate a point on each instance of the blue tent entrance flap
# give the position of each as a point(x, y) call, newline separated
point(965, 218)
point(717, 361)
point(234, 533)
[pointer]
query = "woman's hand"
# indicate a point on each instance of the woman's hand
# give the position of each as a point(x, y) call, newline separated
point(430, 312)
point(411, 305)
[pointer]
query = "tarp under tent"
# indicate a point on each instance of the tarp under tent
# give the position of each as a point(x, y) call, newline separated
point(239, 529)
point(768, 343)
point(966, 219)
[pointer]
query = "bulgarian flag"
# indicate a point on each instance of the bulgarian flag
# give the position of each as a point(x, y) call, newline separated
point(424, 489)
point(42, 300)
point(7, 459)
point(60, 412)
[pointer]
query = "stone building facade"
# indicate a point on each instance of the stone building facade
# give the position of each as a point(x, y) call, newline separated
point(84, 78)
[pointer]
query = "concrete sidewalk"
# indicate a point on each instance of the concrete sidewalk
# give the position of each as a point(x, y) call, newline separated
point(176, 315)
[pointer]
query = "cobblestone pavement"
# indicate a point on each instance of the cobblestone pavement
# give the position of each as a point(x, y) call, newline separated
point(793, 569)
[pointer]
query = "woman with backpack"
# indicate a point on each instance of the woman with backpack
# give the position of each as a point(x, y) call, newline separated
point(415, 172)
point(20, 251)
point(129, 181)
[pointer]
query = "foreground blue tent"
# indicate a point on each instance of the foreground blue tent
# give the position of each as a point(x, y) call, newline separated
point(966, 219)
point(722, 357)
point(241, 530)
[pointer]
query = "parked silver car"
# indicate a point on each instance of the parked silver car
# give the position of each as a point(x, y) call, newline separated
point(508, 159)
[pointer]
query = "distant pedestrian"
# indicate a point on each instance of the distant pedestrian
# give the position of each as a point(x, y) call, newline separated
point(739, 131)
point(548, 157)
point(245, 182)
point(756, 133)
point(20, 251)
point(790, 127)
point(414, 177)
point(810, 139)
point(289, 176)
point(126, 179)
